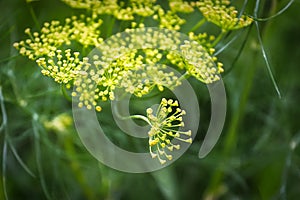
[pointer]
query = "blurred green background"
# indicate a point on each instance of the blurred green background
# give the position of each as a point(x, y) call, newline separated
point(257, 156)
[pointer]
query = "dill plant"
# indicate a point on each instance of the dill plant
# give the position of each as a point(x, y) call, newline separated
point(60, 50)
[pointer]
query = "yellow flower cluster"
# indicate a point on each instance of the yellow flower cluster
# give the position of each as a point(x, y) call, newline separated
point(101, 79)
point(196, 61)
point(86, 89)
point(119, 10)
point(201, 65)
point(166, 124)
point(137, 61)
point(85, 30)
point(222, 14)
point(143, 8)
point(189, 56)
point(180, 6)
point(204, 40)
point(168, 19)
point(62, 67)
point(146, 77)
point(102, 7)
point(128, 72)
point(119, 64)
point(59, 124)
point(46, 47)
point(53, 35)
point(142, 81)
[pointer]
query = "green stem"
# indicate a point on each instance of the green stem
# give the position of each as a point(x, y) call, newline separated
point(142, 19)
point(8, 59)
point(141, 117)
point(65, 93)
point(83, 51)
point(233, 64)
point(220, 36)
point(198, 25)
point(38, 155)
point(33, 15)
point(3, 127)
point(186, 75)
point(111, 27)
point(274, 14)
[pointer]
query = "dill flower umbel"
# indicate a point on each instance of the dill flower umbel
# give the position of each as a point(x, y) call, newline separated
point(141, 48)
point(136, 61)
point(166, 123)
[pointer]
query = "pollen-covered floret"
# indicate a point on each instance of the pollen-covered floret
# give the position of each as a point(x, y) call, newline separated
point(166, 124)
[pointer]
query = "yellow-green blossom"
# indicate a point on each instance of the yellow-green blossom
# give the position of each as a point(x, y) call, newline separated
point(180, 6)
point(204, 40)
point(197, 61)
point(86, 86)
point(84, 4)
point(120, 64)
point(168, 19)
point(166, 123)
point(54, 35)
point(63, 67)
point(102, 7)
point(119, 10)
point(101, 77)
point(143, 80)
point(60, 124)
point(85, 30)
point(222, 14)
point(143, 8)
